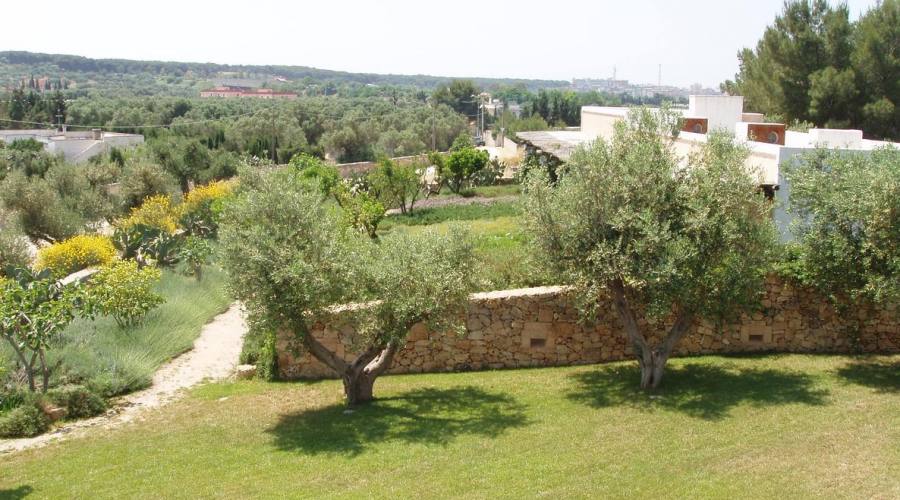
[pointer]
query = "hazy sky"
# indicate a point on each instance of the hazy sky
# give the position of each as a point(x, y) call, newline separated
point(694, 40)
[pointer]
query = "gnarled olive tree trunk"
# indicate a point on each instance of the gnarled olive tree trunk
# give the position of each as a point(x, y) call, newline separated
point(360, 374)
point(651, 358)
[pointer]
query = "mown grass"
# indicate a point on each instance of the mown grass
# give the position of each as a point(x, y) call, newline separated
point(782, 426)
point(114, 361)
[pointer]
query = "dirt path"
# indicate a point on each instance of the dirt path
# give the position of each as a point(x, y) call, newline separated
point(443, 201)
point(214, 356)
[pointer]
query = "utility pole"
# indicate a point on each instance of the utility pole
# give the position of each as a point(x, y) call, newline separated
point(272, 147)
point(481, 103)
point(433, 126)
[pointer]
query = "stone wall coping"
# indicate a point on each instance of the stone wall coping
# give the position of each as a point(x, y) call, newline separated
point(519, 292)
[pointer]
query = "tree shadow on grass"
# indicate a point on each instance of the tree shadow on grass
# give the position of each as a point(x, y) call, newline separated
point(880, 375)
point(698, 390)
point(16, 493)
point(421, 416)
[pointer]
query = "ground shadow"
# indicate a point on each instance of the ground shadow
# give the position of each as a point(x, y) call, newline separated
point(880, 375)
point(420, 416)
point(699, 390)
point(16, 493)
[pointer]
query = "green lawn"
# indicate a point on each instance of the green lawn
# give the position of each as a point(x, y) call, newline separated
point(113, 361)
point(780, 426)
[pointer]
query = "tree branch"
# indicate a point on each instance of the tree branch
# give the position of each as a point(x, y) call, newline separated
point(321, 353)
point(384, 360)
point(627, 315)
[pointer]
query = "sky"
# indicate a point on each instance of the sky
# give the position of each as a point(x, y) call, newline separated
point(695, 41)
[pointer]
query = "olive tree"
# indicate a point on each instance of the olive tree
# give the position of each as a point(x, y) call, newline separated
point(847, 219)
point(666, 237)
point(397, 185)
point(292, 258)
point(34, 310)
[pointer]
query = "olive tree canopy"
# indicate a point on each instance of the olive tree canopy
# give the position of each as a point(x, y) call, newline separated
point(292, 258)
point(662, 237)
point(847, 208)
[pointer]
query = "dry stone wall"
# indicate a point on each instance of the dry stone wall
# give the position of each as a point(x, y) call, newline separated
point(540, 327)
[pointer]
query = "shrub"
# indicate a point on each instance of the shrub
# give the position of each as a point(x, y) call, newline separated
point(490, 174)
point(13, 244)
point(27, 420)
point(259, 350)
point(143, 180)
point(195, 254)
point(363, 212)
point(156, 212)
point(202, 207)
point(75, 254)
point(847, 220)
point(124, 291)
point(100, 175)
point(79, 195)
point(41, 210)
point(462, 165)
point(78, 401)
point(313, 169)
point(148, 245)
point(397, 185)
point(10, 399)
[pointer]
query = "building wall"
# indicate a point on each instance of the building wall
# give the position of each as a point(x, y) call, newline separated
point(540, 327)
point(598, 124)
point(361, 167)
point(722, 112)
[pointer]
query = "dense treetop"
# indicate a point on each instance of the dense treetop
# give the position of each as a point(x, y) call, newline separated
point(814, 65)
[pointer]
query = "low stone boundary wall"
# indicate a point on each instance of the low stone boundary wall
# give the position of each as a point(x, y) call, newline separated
point(361, 167)
point(540, 327)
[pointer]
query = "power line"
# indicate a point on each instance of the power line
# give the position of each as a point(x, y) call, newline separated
point(53, 125)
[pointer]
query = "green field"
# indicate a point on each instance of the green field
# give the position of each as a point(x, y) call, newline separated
point(780, 426)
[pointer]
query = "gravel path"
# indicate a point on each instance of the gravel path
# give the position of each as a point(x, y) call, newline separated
point(214, 356)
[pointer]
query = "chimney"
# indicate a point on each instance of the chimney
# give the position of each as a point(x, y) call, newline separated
point(97, 133)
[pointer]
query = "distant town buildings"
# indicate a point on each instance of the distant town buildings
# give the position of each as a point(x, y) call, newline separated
point(76, 147)
point(234, 91)
point(637, 90)
point(770, 145)
point(496, 107)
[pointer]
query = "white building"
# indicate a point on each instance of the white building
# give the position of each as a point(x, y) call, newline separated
point(76, 147)
point(770, 144)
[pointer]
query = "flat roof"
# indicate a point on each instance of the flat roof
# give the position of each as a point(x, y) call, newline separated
point(559, 143)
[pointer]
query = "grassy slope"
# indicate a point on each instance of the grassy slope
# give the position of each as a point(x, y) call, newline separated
point(774, 426)
point(100, 354)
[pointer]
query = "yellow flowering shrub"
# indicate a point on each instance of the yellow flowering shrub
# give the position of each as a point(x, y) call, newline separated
point(75, 254)
point(204, 195)
point(157, 212)
point(202, 206)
